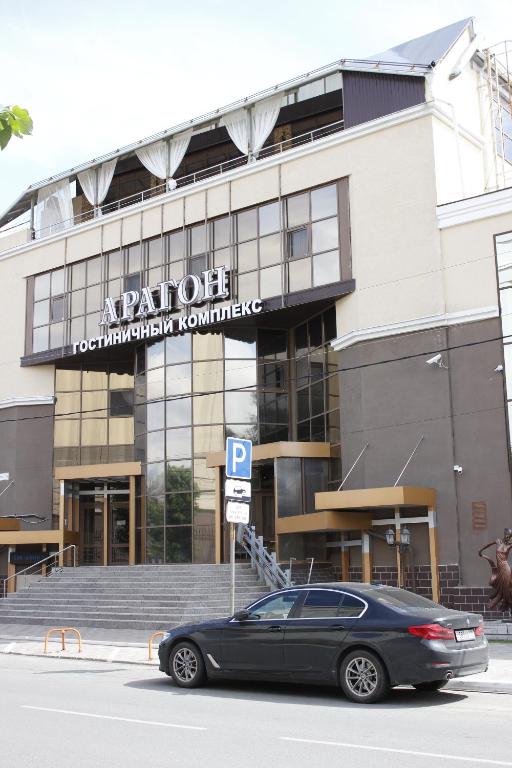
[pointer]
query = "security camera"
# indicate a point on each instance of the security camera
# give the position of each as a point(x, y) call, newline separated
point(436, 360)
point(498, 369)
point(457, 468)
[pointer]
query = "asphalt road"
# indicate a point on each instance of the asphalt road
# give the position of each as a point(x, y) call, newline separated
point(60, 712)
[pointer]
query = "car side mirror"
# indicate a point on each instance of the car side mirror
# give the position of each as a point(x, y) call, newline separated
point(241, 615)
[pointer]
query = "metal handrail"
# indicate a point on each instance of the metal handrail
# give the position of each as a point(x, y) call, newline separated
point(197, 176)
point(40, 562)
point(262, 560)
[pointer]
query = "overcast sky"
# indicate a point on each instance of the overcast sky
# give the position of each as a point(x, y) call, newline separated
point(98, 74)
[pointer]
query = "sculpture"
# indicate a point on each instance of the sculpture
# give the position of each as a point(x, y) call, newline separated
point(500, 582)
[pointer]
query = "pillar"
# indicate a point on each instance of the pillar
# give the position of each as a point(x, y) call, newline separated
point(131, 522)
point(218, 514)
point(434, 563)
point(62, 510)
point(366, 557)
point(105, 525)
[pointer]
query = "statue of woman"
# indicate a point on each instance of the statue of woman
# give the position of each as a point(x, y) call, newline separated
point(500, 582)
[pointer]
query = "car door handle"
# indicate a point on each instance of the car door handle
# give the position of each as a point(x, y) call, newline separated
point(337, 627)
point(274, 628)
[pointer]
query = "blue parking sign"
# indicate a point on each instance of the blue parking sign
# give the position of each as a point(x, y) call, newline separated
point(238, 458)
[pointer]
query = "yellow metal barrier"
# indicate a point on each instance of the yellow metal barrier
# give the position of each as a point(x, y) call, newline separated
point(150, 643)
point(63, 631)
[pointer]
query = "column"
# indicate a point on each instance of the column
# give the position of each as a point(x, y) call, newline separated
point(62, 510)
point(218, 514)
point(434, 563)
point(366, 557)
point(105, 525)
point(131, 522)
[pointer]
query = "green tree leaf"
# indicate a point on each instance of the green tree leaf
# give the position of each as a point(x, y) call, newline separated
point(14, 121)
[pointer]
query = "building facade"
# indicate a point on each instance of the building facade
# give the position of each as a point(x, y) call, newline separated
point(322, 269)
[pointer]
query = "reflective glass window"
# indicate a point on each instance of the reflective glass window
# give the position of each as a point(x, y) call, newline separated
point(155, 546)
point(240, 374)
point(269, 218)
point(178, 509)
point(179, 443)
point(155, 383)
point(270, 282)
point(324, 235)
point(326, 268)
point(155, 252)
point(177, 348)
point(178, 379)
point(155, 354)
point(156, 446)
point(57, 335)
point(324, 202)
point(132, 282)
point(41, 286)
point(176, 245)
point(221, 236)
point(134, 258)
point(247, 255)
point(78, 275)
point(41, 312)
point(275, 607)
point(240, 343)
point(270, 250)
point(178, 475)
point(77, 303)
point(198, 239)
point(247, 225)
point(57, 282)
point(93, 271)
point(121, 402)
point(179, 412)
point(321, 603)
point(208, 376)
point(94, 298)
point(155, 510)
point(155, 479)
point(241, 407)
point(178, 544)
point(297, 210)
point(299, 275)
point(58, 308)
point(248, 286)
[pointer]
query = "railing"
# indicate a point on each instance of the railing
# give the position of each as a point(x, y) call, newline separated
point(191, 178)
point(40, 563)
point(264, 562)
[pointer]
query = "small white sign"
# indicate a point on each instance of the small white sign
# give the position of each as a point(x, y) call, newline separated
point(237, 512)
point(4, 476)
point(237, 489)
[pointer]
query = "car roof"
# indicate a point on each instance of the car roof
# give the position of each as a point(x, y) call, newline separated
point(342, 585)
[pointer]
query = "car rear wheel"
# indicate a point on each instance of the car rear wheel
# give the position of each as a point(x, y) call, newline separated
point(186, 665)
point(363, 677)
point(432, 685)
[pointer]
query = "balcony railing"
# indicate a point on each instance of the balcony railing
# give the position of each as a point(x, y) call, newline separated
point(188, 180)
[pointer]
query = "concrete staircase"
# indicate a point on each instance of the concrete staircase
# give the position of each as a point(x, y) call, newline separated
point(147, 597)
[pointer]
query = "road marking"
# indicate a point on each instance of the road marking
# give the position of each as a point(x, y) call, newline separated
point(399, 751)
point(111, 717)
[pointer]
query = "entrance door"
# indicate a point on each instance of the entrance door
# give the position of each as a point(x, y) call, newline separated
point(91, 530)
point(118, 506)
point(263, 517)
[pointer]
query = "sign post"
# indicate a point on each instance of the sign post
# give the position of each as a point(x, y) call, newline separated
point(237, 493)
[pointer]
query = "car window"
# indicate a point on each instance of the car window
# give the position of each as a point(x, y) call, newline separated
point(401, 598)
point(351, 606)
point(320, 603)
point(275, 607)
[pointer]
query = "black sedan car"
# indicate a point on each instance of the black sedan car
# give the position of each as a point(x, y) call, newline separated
point(364, 638)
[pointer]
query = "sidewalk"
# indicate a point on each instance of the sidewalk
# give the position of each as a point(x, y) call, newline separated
point(131, 647)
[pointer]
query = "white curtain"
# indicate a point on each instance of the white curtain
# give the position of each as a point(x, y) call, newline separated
point(264, 117)
point(237, 124)
point(54, 209)
point(96, 181)
point(163, 158)
point(249, 137)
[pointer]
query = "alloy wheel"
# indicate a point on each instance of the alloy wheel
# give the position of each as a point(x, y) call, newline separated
point(185, 665)
point(361, 676)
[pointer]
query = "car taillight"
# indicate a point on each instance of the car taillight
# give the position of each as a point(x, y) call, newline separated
point(432, 632)
point(479, 631)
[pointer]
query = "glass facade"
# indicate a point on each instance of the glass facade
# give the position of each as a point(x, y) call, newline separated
point(169, 402)
point(504, 260)
point(273, 249)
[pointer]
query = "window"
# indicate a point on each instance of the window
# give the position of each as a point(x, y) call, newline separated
point(320, 603)
point(275, 607)
point(298, 243)
point(351, 607)
point(121, 402)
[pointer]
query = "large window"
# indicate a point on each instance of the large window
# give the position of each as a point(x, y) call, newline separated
point(272, 249)
point(504, 260)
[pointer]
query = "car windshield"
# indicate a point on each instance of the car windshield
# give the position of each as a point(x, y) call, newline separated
point(401, 598)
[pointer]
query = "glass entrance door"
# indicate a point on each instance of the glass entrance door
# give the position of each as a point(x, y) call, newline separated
point(118, 506)
point(91, 529)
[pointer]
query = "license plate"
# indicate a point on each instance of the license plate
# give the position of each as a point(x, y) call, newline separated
point(464, 634)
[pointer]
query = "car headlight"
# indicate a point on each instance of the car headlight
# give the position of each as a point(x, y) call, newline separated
point(165, 637)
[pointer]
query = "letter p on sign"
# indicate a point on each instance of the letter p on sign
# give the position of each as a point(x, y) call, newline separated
point(238, 458)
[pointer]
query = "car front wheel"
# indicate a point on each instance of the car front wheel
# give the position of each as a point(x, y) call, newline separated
point(432, 685)
point(186, 665)
point(363, 677)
